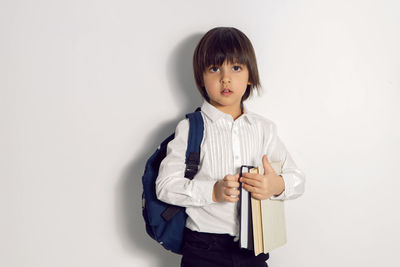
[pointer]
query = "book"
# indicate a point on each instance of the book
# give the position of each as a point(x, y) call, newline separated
point(263, 219)
point(245, 231)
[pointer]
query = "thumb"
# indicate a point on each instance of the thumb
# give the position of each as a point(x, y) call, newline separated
point(266, 165)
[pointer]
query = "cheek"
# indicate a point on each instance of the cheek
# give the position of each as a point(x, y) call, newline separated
point(211, 85)
point(211, 80)
point(207, 81)
point(243, 85)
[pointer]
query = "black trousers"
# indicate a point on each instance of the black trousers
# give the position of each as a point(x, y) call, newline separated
point(217, 250)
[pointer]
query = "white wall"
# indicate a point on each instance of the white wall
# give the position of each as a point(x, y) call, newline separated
point(89, 88)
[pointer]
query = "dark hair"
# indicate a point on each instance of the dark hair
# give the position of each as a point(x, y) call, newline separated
point(220, 44)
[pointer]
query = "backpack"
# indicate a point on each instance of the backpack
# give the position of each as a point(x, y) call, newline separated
point(165, 222)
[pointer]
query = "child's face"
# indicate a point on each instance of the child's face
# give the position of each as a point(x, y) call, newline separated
point(226, 84)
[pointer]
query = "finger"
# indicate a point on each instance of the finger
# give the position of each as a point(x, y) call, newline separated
point(231, 199)
point(267, 167)
point(249, 188)
point(231, 192)
point(252, 182)
point(232, 184)
point(257, 196)
point(254, 176)
point(229, 177)
point(236, 177)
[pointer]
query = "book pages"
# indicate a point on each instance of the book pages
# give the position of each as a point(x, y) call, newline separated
point(257, 222)
point(245, 213)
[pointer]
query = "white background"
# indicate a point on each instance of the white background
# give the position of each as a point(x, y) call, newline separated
point(89, 88)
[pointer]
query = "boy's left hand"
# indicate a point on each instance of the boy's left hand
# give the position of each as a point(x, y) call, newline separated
point(263, 186)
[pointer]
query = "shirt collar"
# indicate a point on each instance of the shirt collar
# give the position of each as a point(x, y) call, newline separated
point(215, 114)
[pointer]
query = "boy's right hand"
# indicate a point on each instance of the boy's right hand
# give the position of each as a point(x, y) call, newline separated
point(226, 189)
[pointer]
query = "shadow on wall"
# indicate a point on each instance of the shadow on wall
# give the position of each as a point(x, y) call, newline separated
point(181, 78)
point(129, 190)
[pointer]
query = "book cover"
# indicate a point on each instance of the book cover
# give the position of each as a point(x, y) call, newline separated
point(246, 227)
point(273, 218)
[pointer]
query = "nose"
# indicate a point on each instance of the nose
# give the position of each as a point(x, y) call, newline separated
point(225, 78)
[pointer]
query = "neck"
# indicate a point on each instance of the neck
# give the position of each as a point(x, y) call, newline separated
point(234, 111)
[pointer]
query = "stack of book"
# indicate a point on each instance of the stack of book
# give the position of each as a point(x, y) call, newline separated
point(262, 222)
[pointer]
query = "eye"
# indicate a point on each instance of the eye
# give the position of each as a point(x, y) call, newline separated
point(213, 69)
point(237, 68)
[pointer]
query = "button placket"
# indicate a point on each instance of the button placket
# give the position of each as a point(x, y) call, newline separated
point(235, 146)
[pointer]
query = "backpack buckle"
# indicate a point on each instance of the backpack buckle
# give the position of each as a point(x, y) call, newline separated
point(191, 170)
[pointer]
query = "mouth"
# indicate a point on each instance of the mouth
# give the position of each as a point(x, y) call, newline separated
point(226, 92)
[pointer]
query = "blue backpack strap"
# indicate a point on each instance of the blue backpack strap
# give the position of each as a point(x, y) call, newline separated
point(196, 131)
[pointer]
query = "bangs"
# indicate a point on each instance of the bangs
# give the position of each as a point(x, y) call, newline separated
point(224, 46)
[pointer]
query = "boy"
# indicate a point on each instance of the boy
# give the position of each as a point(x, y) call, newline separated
point(225, 71)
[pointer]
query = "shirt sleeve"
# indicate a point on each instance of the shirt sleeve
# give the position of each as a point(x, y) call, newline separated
point(171, 185)
point(293, 177)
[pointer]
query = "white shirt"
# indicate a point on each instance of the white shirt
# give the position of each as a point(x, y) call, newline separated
point(227, 144)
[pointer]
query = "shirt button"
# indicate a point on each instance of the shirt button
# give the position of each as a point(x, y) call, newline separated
point(236, 157)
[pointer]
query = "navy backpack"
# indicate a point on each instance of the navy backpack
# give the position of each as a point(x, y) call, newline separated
point(164, 222)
